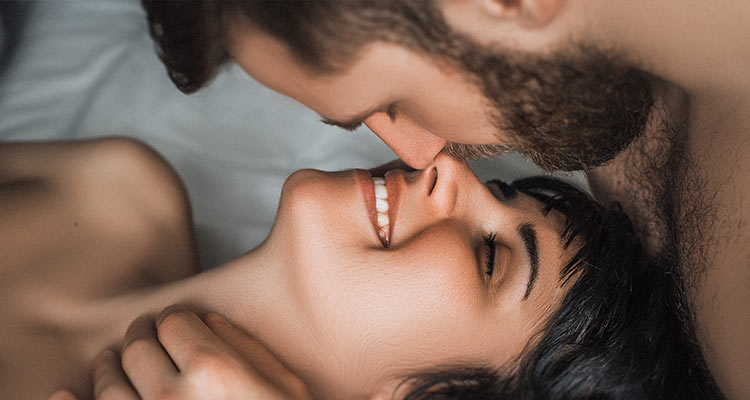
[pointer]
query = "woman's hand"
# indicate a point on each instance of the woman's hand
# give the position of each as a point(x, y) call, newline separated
point(179, 356)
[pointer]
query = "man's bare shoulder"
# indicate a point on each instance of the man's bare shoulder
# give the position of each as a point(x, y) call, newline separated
point(714, 225)
point(687, 189)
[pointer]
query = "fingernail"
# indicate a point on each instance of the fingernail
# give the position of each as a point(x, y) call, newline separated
point(104, 355)
point(99, 362)
point(217, 318)
point(61, 395)
point(174, 308)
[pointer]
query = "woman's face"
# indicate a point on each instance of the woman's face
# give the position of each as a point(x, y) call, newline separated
point(467, 278)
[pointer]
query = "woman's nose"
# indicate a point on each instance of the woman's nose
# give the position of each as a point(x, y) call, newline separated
point(415, 145)
point(442, 179)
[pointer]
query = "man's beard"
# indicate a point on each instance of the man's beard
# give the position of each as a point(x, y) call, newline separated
point(573, 110)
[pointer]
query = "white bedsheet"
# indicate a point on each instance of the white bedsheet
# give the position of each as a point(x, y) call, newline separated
point(86, 68)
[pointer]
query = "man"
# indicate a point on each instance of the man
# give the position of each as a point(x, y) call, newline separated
point(650, 97)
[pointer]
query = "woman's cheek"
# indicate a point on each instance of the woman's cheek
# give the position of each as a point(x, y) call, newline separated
point(434, 278)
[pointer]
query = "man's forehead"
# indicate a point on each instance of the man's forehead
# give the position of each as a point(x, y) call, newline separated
point(373, 76)
point(261, 56)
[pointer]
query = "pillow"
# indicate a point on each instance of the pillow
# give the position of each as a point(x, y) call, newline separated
point(12, 18)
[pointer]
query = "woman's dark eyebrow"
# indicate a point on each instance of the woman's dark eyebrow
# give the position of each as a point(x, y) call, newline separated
point(529, 237)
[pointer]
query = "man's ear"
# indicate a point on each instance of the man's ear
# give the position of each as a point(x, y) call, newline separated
point(528, 13)
point(525, 25)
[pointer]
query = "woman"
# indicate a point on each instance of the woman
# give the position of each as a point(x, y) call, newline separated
point(421, 283)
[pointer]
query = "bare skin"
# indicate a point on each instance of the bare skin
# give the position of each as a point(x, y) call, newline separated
point(80, 196)
point(90, 229)
point(703, 193)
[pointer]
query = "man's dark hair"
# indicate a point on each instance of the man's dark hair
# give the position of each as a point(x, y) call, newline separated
point(619, 333)
point(324, 35)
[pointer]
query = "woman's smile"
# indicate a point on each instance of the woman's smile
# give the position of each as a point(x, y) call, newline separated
point(377, 203)
point(381, 211)
point(382, 195)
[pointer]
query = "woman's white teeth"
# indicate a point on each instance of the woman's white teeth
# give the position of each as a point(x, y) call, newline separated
point(382, 220)
point(381, 201)
point(380, 191)
point(381, 205)
point(381, 211)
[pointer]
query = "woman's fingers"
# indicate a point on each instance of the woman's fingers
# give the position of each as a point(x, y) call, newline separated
point(109, 379)
point(186, 337)
point(264, 363)
point(209, 366)
point(144, 360)
point(200, 362)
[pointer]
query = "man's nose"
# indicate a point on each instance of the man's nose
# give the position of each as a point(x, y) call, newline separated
point(415, 145)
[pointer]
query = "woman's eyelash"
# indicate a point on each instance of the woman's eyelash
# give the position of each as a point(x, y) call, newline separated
point(490, 247)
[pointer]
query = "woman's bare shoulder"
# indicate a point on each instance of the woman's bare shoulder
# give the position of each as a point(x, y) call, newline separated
point(92, 216)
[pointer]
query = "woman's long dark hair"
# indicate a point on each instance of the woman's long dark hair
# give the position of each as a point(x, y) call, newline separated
point(618, 333)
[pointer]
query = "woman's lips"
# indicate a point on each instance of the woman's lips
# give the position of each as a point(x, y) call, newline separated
point(380, 195)
point(394, 182)
point(370, 192)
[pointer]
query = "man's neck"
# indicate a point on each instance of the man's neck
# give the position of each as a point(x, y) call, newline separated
point(638, 178)
point(687, 191)
point(700, 46)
